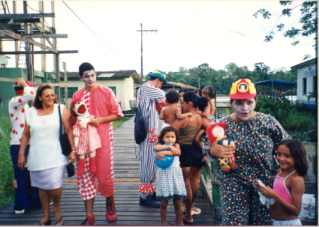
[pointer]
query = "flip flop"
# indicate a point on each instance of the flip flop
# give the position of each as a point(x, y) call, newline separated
point(188, 222)
point(47, 222)
point(195, 211)
point(59, 222)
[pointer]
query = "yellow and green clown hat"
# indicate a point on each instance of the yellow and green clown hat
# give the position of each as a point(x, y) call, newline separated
point(242, 89)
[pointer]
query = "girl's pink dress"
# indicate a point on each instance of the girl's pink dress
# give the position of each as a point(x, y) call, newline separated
point(101, 102)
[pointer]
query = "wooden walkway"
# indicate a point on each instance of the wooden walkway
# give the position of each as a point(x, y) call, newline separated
point(127, 200)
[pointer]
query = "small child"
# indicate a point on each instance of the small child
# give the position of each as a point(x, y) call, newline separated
point(288, 186)
point(172, 110)
point(170, 181)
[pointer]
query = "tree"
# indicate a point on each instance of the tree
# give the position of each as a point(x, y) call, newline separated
point(262, 71)
point(308, 21)
point(222, 79)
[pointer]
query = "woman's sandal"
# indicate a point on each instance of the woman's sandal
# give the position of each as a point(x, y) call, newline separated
point(59, 222)
point(188, 221)
point(47, 222)
point(195, 211)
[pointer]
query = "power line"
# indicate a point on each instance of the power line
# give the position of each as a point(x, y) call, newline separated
point(79, 18)
point(95, 34)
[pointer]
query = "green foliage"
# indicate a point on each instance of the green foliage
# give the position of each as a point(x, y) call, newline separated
point(222, 79)
point(308, 20)
point(299, 122)
point(6, 171)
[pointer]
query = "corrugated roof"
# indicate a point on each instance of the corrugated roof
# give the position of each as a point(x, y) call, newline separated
point(172, 84)
point(277, 83)
point(106, 75)
point(304, 64)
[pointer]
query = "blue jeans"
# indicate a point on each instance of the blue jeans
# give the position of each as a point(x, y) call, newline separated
point(26, 197)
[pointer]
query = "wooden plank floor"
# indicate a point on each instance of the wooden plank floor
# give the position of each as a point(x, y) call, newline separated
point(127, 200)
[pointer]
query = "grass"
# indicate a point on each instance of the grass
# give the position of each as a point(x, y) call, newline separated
point(6, 170)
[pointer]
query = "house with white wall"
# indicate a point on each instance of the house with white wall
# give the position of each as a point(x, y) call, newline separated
point(121, 82)
point(306, 81)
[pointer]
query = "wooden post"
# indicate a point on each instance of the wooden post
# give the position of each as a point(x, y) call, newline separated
point(56, 56)
point(28, 59)
point(43, 56)
point(16, 42)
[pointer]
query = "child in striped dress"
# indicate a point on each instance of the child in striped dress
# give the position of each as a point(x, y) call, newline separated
point(169, 179)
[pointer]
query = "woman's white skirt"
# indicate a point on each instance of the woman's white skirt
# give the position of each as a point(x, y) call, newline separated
point(48, 179)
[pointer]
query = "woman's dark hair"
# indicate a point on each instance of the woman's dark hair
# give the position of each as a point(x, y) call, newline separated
point(37, 102)
point(172, 96)
point(210, 90)
point(166, 130)
point(298, 153)
point(201, 103)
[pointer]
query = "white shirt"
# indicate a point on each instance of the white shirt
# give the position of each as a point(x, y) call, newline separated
point(45, 149)
point(18, 105)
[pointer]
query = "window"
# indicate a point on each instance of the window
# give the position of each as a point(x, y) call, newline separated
point(113, 89)
point(304, 86)
point(71, 91)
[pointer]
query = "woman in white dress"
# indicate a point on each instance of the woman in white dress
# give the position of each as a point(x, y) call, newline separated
point(45, 160)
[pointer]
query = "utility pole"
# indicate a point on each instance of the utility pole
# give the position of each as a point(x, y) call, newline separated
point(42, 26)
point(65, 80)
point(16, 42)
point(56, 56)
point(141, 31)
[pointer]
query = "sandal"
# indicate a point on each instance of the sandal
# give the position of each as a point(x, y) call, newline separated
point(188, 222)
point(195, 211)
point(59, 222)
point(47, 222)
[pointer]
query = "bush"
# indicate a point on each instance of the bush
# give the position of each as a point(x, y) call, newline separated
point(300, 123)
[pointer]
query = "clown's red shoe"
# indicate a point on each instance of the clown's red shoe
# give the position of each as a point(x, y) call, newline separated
point(111, 216)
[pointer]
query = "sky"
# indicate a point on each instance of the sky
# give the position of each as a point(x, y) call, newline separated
point(190, 32)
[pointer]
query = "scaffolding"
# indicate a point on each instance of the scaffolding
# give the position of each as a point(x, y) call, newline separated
point(30, 30)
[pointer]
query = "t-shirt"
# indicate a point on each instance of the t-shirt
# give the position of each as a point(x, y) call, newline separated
point(18, 105)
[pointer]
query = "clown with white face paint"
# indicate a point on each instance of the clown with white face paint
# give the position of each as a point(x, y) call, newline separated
point(256, 135)
point(89, 78)
point(103, 108)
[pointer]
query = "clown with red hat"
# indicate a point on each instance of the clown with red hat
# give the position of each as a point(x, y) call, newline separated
point(256, 136)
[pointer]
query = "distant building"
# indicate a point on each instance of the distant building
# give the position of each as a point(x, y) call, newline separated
point(306, 82)
point(8, 77)
point(121, 82)
point(178, 86)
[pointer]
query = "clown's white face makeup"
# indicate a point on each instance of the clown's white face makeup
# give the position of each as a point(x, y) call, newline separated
point(244, 109)
point(89, 78)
